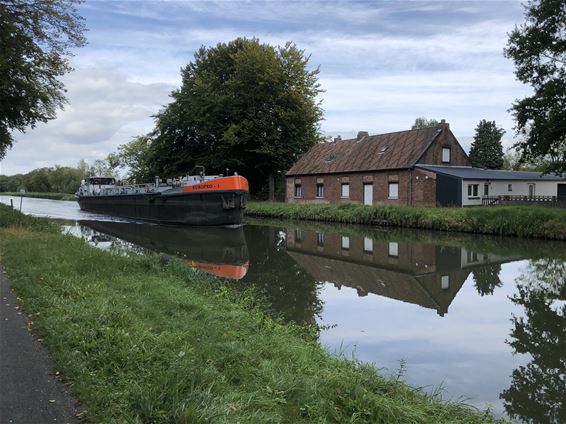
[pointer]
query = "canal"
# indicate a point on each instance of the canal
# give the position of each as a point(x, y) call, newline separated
point(477, 318)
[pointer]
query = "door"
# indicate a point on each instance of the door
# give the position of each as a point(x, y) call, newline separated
point(561, 192)
point(531, 190)
point(368, 194)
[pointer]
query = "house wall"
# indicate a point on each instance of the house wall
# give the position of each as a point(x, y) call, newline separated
point(500, 188)
point(416, 187)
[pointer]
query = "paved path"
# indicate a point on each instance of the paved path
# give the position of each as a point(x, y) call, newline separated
point(29, 391)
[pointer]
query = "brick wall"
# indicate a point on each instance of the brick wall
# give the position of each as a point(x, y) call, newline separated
point(415, 187)
point(433, 155)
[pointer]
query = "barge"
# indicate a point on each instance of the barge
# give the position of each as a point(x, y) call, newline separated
point(188, 200)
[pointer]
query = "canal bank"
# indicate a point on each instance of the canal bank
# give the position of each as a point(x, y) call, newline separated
point(516, 221)
point(148, 340)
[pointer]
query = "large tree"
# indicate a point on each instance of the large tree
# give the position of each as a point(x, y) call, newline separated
point(243, 105)
point(36, 38)
point(486, 150)
point(538, 48)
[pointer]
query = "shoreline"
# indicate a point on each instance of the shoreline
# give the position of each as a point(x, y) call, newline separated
point(515, 221)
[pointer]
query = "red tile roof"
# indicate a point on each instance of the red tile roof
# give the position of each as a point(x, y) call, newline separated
point(396, 150)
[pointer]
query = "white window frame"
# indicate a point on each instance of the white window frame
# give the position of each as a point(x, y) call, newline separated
point(320, 194)
point(473, 191)
point(345, 190)
point(368, 245)
point(393, 249)
point(345, 242)
point(446, 153)
point(396, 194)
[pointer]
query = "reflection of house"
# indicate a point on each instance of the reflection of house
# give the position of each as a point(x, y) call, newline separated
point(424, 274)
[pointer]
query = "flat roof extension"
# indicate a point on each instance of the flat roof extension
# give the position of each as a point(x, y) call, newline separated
point(470, 173)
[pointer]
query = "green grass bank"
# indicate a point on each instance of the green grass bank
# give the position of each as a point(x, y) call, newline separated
point(144, 341)
point(50, 196)
point(518, 221)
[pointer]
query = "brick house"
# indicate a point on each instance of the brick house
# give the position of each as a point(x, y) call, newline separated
point(377, 169)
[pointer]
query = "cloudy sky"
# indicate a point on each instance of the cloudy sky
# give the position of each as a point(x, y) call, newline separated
point(382, 64)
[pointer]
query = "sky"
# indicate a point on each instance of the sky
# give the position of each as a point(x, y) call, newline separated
point(382, 64)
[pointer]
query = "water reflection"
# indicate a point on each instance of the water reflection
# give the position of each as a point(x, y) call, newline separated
point(419, 272)
point(538, 389)
point(220, 251)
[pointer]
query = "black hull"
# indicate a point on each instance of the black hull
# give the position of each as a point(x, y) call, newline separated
point(213, 208)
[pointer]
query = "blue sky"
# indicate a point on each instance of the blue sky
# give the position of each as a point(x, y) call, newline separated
point(382, 64)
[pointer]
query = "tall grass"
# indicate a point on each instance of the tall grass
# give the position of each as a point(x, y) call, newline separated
point(519, 221)
point(140, 340)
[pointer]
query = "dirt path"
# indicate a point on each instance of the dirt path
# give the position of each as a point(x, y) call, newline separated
point(29, 391)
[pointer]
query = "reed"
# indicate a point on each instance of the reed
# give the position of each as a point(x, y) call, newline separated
point(517, 221)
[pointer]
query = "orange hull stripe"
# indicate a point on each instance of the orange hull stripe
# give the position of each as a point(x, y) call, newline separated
point(235, 182)
point(233, 272)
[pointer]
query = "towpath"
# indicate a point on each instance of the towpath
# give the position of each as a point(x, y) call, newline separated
point(29, 391)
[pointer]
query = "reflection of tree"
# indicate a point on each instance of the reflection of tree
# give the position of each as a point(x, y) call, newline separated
point(538, 390)
point(291, 292)
point(486, 278)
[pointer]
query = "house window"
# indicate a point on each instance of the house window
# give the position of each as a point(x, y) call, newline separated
point(393, 190)
point(345, 190)
point(486, 189)
point(320, 239)
point(320, 190)
point(445, 282)
point(393, 248)
point(298, 235)
point(472, 190)
point(509, 187)
point(446, 155)
point(298, 190)
point(345, 242)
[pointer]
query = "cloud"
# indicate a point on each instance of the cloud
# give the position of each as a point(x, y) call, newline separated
point(105, 109)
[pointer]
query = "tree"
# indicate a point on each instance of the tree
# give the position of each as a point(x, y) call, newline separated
point(246, 106)
point(538, 48)
point(486, 279)
point(422, 122)
point(486, 150)
point(135, 156)
point(36, 38)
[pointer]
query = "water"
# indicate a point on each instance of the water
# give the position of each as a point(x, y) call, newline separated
point(481, 317)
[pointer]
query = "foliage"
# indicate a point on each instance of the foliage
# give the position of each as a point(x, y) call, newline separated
point(135, 156)
point(486, 150)
point(57, 179)
point(139, 341)
point(243, 106)
point(520, 221)
point(423, 122)
point(538, 48)
point(486, 278)
point(36, 39)
point(538, 391)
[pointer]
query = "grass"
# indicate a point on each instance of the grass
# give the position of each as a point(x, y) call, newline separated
point(143, 341)
point(51, 196)
point(518, 221)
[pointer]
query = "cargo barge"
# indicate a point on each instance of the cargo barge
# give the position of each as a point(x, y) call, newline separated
point(189, 200)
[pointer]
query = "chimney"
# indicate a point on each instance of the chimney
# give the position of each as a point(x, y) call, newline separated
point(361, 135)
point(338, 138)
point(443, 124)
